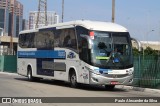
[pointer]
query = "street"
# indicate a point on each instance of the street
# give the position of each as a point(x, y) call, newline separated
point(13, 85)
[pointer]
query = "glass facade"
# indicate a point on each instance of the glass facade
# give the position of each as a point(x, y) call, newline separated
point(2, 14)
point(7, 21)
point(6, 17)
point(14, 24)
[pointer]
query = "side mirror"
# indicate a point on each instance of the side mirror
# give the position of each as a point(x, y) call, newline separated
point(138, 43)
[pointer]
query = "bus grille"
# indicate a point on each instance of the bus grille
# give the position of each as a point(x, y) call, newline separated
point(115, 76)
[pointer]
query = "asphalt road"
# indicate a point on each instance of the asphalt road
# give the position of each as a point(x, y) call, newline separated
point(12, 85)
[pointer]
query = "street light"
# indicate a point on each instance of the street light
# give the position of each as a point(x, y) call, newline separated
point(113, 11)
point(147, 41)
point(62, 11)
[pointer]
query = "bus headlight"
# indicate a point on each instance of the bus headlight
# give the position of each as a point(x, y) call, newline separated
point(96, 72)
point(93, 71)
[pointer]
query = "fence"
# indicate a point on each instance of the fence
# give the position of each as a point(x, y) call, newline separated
point(8, 63)
point(147, 71)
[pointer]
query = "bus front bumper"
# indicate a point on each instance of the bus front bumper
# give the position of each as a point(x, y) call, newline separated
point(96, 79)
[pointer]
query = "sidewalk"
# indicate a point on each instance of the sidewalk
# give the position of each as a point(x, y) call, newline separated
point(7, 73)
point(149, 90)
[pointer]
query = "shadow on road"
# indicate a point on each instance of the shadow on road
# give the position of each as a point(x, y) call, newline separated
point(66, 84)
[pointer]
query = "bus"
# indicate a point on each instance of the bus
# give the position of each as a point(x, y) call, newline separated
point(78, 52)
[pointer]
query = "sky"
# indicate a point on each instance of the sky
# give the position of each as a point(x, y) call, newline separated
point(140, 17)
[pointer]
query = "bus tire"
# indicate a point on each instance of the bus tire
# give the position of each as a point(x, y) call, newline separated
point(73, 79)
point(109, 87)
point(29, 74)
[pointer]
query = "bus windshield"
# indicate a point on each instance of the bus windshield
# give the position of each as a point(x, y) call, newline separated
point(111, 50)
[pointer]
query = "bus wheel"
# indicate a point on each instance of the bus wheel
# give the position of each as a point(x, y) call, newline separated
point(73, 80)
point(30, 78)
point(109, 87)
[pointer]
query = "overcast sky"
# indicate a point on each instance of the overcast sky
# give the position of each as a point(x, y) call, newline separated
point(140, 17)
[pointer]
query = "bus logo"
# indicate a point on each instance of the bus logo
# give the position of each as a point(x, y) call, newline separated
point(71, 55)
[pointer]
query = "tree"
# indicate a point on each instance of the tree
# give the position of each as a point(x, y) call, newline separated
point(147, 51)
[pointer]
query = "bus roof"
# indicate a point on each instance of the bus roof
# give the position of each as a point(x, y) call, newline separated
point(91, 25)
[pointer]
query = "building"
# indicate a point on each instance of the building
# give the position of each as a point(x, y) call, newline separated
point(1, 31)
point(11, 12)
point(15, 18)
point(19, 17)
point(4, 15)
point(52, 18)
point(155, 45)
point(25, 24)
point(11, 15)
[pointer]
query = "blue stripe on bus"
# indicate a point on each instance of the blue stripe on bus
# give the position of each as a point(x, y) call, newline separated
point(42, 54)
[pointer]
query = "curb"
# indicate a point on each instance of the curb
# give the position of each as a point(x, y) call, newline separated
point(7, 73)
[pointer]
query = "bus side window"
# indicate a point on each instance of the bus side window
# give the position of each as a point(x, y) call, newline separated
point(70, 39)
point(67, 41)
point(57, 42)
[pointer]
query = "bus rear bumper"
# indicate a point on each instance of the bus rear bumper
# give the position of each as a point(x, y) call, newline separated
point(96, 79)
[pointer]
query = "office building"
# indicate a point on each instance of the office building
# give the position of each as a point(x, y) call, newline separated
point(25, 24)
point(52, 18)
point(11, 12)
point(4, 15)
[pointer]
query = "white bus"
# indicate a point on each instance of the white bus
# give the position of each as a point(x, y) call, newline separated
point(83, 51)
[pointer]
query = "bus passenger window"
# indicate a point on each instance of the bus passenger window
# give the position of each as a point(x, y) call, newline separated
point(67, 41)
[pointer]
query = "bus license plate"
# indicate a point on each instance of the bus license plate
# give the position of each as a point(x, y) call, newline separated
point(114, 82)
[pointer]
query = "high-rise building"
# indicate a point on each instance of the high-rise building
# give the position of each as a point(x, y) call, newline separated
point(11, 15)
point(19, 17)
point(16, 17)
point(52, 18)
point(1, 31)
point(25, 24)
point(4, 15)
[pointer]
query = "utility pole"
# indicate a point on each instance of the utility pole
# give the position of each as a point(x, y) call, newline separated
point(42, 13)
point(62, 10)
point(11, 36)
point(113, 11)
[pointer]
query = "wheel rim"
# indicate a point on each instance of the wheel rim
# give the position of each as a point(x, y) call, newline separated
point(29, 75)
point(73, 79)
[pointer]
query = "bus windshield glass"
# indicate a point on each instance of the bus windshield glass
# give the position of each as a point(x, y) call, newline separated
point(111, 50)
